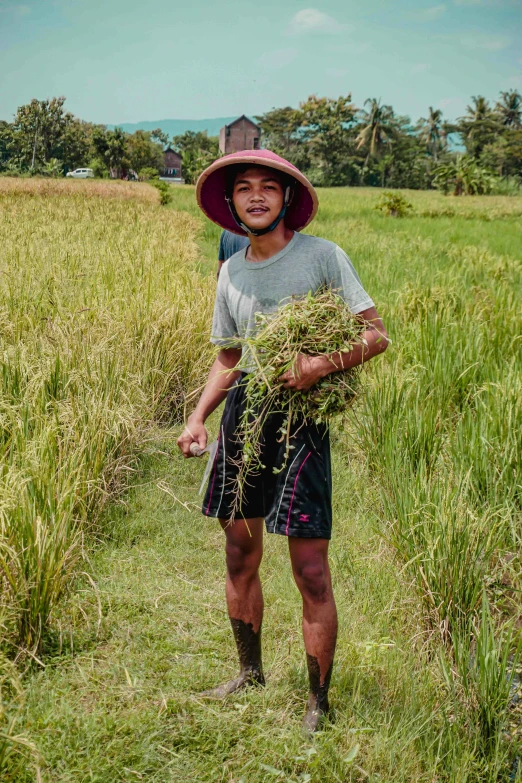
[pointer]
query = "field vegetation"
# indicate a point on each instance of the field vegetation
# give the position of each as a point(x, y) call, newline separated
point(115, 613)
point(332, 140)
point(97, 295)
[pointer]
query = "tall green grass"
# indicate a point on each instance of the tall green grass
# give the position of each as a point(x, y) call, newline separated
point(103, 329)
point(441, 429)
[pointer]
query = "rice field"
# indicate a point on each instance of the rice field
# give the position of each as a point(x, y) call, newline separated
point(112, 583)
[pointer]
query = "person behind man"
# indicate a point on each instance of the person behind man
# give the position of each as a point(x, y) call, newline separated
point(260, 195)
point(229, 245)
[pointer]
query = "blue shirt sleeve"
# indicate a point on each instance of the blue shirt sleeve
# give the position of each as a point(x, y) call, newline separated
point(221, 252)
point(229, 244)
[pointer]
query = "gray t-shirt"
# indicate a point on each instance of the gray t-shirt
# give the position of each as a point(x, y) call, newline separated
point(248, 287)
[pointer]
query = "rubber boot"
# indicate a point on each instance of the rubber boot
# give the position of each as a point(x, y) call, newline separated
point(318, 706)
point(249, 650)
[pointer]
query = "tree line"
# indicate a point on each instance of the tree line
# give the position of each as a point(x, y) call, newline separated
point(337, 143)
point(45, 139)
point(333, 141)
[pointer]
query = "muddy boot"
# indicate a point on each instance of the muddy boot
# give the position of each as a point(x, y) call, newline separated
point(317, 707)
point(249, 650)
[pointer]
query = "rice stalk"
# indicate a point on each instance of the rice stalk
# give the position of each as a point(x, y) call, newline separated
point(315, 325)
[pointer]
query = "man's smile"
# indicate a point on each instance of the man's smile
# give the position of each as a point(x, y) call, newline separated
point(257, 210)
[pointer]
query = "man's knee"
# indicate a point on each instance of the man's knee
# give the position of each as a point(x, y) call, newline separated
point(313, 582)
point(242, 563)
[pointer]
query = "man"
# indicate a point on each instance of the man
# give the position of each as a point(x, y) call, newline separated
point(229, 245)
point(257, 194)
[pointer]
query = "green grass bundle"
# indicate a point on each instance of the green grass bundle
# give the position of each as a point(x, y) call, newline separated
point(314, 325)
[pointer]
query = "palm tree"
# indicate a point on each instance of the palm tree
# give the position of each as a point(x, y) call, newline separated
point(379, 128)
point(509, 109)
point(479, 110)
point(478, 125)
point(431, 131)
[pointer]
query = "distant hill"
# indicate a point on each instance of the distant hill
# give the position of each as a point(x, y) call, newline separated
point(176, 127)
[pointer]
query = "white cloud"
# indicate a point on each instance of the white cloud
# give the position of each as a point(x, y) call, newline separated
point(420, 67)
point(310, 20)
point(435, 12)
point(278, 58)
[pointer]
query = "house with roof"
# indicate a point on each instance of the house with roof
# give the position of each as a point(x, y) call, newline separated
point(171, 166)
point(241, 134)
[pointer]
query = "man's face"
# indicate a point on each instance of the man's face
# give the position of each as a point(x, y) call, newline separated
point(258, 197)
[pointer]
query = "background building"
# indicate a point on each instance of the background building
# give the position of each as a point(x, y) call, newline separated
point(171, 165)
point(241, 134)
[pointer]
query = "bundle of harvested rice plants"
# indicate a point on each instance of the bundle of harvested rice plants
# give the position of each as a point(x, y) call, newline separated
point(318, 324)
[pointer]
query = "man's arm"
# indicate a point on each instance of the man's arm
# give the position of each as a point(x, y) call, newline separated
point(222, 375)
point(310, 369)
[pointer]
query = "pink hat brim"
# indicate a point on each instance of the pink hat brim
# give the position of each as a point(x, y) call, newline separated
point(211, 190)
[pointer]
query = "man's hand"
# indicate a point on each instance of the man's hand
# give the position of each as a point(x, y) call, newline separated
point(222, 376)
point(306, 372)
point(194, 432)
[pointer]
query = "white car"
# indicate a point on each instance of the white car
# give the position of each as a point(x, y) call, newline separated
point(80, 173)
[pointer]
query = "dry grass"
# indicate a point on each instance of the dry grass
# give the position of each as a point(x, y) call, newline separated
point(84, 188)
point(97, 296)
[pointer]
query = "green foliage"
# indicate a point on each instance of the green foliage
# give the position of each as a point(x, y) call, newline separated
point(325, 129)
point(53, 168)
point(507, 186)
point(143, 152)
point(281, 129)
point(463, 176)
point(147, 173)
point(431, 132)
point(478, 126)
point(164, 191)
point(197, 150)
point(159, 136)
point(111, 148)
point(337, 144)
point(42, 131)
point(378, 128)
point(99, 168)
point(12, 743)
point(394, 205)
point(486, 660)
point(509, 109)
point(331, 140)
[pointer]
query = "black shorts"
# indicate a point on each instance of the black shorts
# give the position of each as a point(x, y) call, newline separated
point(295, 502)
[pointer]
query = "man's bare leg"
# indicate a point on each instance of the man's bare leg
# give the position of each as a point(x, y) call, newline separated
point(244, 550)
point(309, 558)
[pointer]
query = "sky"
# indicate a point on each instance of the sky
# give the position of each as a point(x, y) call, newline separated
point(129, 60)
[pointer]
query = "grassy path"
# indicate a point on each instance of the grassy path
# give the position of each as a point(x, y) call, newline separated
point(147, 630)
point(123, 706)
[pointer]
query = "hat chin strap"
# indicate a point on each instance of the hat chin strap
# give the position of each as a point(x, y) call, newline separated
point(259, 232)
